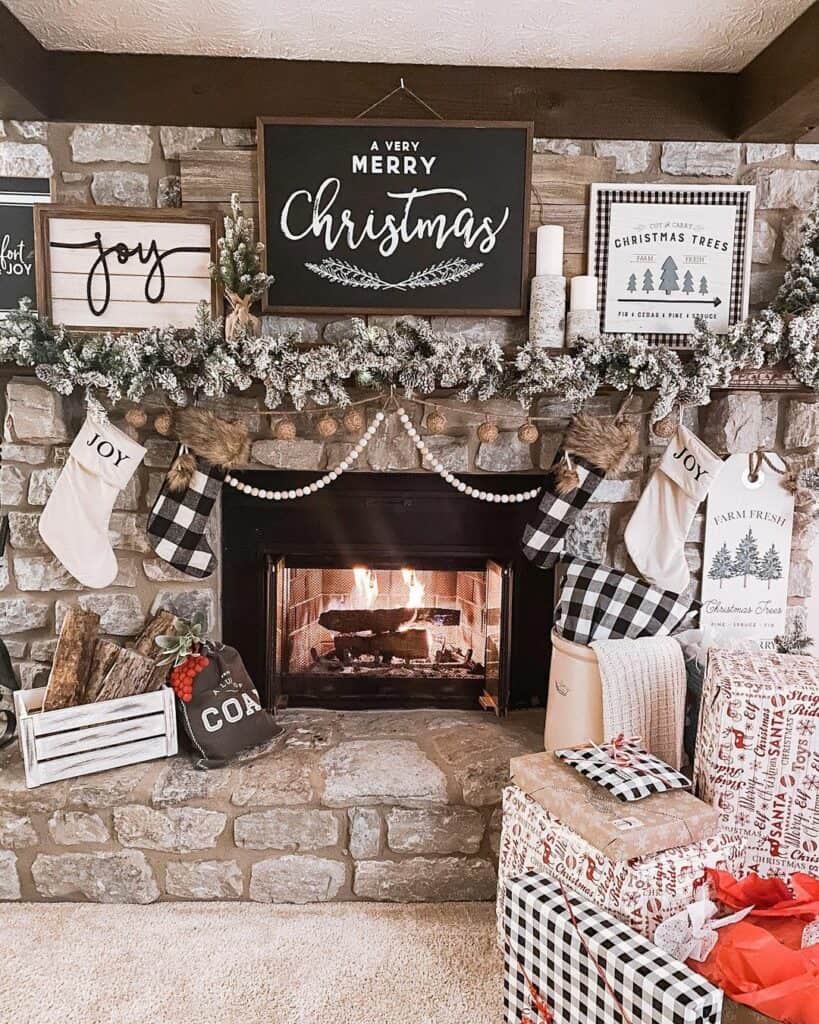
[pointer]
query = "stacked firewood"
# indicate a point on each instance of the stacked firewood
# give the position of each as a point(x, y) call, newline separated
point(88, 669)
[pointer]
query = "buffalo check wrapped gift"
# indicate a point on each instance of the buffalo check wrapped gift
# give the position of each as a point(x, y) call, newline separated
point(628, 773)
point(641, 892)
point(569, 962)
point(597, 602)
point(757, 757)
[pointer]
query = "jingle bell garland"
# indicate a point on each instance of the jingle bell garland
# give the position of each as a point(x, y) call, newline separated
point(411, 357)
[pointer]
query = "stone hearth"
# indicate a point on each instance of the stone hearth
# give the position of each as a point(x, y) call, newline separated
point(344, 806)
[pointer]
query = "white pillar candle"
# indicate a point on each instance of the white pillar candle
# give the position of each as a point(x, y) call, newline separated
point(549, 250)
point(583, 293)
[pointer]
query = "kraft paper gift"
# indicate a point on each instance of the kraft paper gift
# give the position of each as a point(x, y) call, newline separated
point(620, 831)
point(758, 756)
point(640, 892)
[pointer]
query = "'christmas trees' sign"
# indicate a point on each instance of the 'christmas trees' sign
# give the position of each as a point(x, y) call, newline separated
point(667, 255)
point(747, 551)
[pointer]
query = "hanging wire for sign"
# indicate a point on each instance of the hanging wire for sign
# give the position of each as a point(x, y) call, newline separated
point(401, 88)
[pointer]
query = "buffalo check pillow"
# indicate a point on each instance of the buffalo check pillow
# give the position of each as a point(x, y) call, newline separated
point(600, 603)
point(642, 776)
point(567, 961)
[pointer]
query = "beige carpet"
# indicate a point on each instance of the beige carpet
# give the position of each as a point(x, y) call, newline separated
point(241, 963)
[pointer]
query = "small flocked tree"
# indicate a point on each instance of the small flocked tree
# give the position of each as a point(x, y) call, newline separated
point(800, 289)
point(648, 281)
point(722, 566)
point(746, 558)
point(632, 283)
point(668, 280)
point(703, 285)
point(239, 269)
point(794, 640)
point(688, 283)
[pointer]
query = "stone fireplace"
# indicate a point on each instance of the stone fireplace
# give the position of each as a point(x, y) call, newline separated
point(385, 591)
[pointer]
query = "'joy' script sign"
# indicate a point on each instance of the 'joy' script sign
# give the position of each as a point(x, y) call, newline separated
point(404, 216)
point(121, 269)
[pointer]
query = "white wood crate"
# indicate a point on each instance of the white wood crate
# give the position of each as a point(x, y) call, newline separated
point(93, 737)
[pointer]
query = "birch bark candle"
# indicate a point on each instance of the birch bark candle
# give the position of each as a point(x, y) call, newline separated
point(583, 320)
point(547, 303)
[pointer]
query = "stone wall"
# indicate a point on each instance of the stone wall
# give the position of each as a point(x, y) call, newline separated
point(139, 166)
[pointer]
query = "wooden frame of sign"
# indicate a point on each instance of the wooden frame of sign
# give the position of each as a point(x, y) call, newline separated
point(18, 275)
point(433, 272)
point(148, 278)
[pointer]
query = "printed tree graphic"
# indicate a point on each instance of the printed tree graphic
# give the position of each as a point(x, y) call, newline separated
point(722, 566)
point(703, 285)
point(648, 281)
point(770, 568)
point(668, 280)
point(632, 283)
point(746, 558)
point(688, 283)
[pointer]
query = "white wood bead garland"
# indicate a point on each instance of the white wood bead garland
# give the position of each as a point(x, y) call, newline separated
point(429, 456)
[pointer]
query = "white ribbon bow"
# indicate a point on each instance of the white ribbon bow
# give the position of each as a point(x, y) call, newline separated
point(692, 933)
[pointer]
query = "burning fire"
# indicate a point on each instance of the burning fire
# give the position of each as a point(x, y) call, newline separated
point(365, 589)
point(416, 588)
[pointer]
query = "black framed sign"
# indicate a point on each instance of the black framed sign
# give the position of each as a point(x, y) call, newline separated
point(666, 254)
point(370, 216)
point(18, 197)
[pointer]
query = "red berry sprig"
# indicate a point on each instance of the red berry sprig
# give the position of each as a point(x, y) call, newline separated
point(182, 677)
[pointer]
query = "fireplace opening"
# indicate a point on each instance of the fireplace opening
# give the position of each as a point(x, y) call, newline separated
point(377, 621)
point(386, 590)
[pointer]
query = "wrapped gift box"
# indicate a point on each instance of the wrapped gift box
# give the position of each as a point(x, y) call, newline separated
point(758, 756)
point(583, 965)
point(620, 831)
point(641, 892)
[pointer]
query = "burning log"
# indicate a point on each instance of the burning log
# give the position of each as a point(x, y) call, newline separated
point(385, 620)
point(410, 644)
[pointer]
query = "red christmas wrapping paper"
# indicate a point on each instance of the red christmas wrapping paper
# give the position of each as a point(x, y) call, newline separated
point(757, 756)
point(641, 892)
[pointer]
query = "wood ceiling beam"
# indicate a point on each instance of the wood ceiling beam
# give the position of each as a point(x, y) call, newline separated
point(778, 92)
point(776, 97)
point(25, 73)
point(231, 91)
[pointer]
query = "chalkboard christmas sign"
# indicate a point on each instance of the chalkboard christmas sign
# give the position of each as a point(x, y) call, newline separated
point(666, 255)
point(18, 196)
point(370, 216)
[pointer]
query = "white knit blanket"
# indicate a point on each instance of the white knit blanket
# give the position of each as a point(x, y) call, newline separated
point(644, 693)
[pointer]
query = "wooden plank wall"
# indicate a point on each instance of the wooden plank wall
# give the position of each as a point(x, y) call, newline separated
point(560, 192)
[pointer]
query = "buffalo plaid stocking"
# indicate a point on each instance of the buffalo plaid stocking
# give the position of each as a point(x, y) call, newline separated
point(179, 519)
point(544, 536)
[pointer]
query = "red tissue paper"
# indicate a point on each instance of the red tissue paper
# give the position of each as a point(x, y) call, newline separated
point(759, 961)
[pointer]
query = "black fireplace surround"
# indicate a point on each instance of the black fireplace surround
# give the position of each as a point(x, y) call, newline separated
point(386, 521)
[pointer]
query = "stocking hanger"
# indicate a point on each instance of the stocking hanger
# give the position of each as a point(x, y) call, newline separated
point(401, 87)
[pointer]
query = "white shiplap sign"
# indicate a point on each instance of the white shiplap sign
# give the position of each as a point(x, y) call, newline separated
point(117, 270)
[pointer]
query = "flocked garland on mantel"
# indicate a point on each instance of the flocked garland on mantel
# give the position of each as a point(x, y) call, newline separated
point(187, 364)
